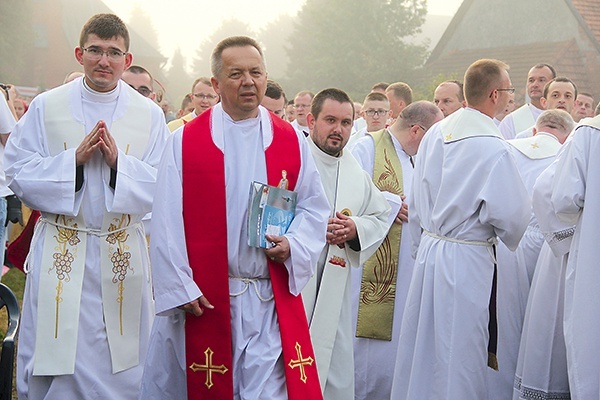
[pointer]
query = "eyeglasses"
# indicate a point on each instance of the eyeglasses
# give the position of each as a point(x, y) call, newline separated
point(510, 90)
point(143, 90)
point(379, 112)
point(301, 105)
point(420, 126)
point(203, 96)
point(96, 53)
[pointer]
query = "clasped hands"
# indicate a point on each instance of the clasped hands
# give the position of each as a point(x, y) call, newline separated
point(98, 139)
point(340, 229)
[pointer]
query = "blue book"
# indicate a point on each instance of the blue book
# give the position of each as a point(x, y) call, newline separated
point(270, 212)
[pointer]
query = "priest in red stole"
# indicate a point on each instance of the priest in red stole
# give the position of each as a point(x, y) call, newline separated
point(230, 322)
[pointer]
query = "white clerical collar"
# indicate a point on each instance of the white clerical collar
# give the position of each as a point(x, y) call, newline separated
point(321, 155)
point(542, 145)
point(99, 97)
point(219, 117)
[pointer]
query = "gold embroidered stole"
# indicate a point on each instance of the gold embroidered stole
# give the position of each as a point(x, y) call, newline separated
point(64, 251)
point(378, 284)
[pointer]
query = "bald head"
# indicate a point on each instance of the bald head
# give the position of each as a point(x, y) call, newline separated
point(556, 122)
point(413, 122)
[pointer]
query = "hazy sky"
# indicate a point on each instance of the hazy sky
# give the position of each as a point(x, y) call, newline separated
point(185, 23)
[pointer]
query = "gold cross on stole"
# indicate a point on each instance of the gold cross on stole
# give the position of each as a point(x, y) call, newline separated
point(209, 367)
point(301, 362)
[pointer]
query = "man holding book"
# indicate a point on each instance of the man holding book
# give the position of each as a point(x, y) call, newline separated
point(218, 332)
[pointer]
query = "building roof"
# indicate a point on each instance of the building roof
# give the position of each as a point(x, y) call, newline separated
point(573, 55)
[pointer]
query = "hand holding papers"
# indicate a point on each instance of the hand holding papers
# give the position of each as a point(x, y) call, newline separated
point(270, 212)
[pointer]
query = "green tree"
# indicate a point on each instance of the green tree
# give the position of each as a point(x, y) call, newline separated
point(352, 44)
point(229, 27)
point(275, 38)
point(141, 23)
point(179, 83)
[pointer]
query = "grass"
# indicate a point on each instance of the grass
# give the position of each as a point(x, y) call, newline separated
point(14, 279)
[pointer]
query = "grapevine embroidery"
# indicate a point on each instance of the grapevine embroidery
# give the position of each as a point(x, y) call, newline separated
point(63, 258)
point(119, 258)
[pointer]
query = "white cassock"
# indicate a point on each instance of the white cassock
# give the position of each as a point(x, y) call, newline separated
point(515, 268)
point(327, 296)
point(374, 360)
point(256, 341)
point(458, 207)
point(46, 182)
point(542, 363)
point(575, 194)
point(519, 120)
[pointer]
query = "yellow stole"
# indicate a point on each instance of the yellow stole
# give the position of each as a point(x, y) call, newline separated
point(378, 284)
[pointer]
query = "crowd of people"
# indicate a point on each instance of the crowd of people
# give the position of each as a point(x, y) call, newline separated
point(439, 249)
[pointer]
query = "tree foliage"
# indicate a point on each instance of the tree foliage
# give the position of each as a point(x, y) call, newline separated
point(274, 37)
point(352, 44)
point(229, 27)
point(142, 24)
point(179, 82)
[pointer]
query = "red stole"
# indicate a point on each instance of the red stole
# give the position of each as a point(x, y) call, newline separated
point(208, 352)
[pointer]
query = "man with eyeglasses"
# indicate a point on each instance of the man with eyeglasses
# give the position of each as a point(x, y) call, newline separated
point(376, 111)
point(459, 207)
point(86, 155)
point(203, 97)
point(302, 107)
point(525, 116)
point(140, 79)
point(387, 155)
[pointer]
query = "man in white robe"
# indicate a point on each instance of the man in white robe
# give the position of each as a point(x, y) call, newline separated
point(559, 94)
point(515, 268)
point(302, 106)
point(524, 117)
point(357, 225)
point(541, 372)
point(575, 190)
point(243, 132)
point(375, 359)
point(85, 154)
point(458, 208)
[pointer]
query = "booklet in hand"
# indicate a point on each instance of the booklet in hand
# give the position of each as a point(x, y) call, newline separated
point(270, 212)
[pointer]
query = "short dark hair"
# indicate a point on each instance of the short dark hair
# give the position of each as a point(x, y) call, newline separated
point(380, 85)
point(185, 102)
point(542, 65)
point(202, 79)
point(481, 78)
point(421, 112)
point(105, 26)
point(401, 91)
point(275, 91)
point(332, 93)
point(137, 69)
point(461, 95)
point(216, 60)
point(376, 96)
point(559, 79)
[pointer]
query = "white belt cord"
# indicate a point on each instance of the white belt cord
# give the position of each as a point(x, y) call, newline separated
point(488, 243)
point(247, 282)
point(139, 226)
